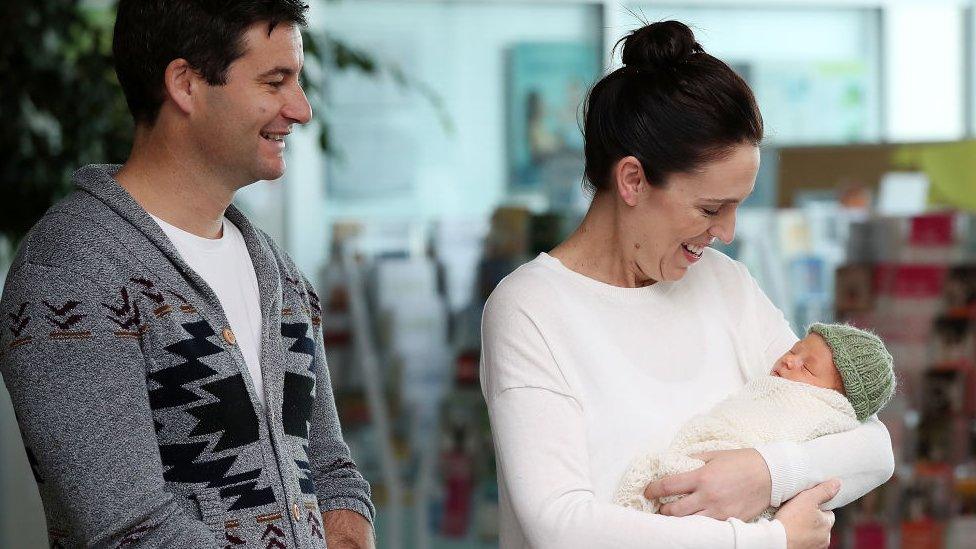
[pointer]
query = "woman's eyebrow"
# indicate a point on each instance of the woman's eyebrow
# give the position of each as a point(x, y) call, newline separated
point(721, 200)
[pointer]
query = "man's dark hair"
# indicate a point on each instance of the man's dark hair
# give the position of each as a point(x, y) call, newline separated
point(209, 34)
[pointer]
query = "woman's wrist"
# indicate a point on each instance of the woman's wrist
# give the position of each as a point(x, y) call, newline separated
point(788, 467)
point(763, 533)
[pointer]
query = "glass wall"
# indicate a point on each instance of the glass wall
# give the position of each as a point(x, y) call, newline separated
point(829, 64)
point(404, 154)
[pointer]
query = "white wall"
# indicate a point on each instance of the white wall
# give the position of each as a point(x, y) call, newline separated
point(924, 72)
point(22, 521)
point(970, 77)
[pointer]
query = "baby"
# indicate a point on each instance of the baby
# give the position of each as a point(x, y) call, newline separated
point(827, 383)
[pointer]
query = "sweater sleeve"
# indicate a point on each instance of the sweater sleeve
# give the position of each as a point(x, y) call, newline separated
point(540, 443)
point(338, 482)
point(78, 387)
point(862, 458)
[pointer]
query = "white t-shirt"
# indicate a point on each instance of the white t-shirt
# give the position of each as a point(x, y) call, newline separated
point(225, 265)
point(580, 377)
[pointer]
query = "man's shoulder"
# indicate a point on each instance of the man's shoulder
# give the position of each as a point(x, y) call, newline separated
point(75, 234)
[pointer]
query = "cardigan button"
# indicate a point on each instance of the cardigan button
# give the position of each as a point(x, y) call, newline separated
point(229, 336)
point(295, 512)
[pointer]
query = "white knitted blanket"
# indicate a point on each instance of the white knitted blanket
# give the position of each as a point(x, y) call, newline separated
point(767, 409)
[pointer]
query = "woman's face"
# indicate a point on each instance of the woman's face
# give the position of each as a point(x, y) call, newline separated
point(672, 225)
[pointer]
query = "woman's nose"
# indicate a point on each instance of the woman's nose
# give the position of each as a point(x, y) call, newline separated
point(724, 227)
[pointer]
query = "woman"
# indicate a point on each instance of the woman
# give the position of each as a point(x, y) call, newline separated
point(633, 325)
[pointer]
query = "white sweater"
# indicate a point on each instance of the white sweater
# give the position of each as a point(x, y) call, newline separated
point(767, 409)
point(580, 376)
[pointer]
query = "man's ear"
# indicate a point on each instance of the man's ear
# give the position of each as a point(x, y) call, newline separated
point(183, 84)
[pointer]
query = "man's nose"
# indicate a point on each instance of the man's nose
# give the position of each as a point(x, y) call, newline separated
point(298, 109)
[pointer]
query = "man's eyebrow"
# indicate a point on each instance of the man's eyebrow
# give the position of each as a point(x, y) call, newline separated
point(282, 71)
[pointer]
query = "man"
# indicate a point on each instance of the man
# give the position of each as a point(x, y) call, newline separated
point(164, 357)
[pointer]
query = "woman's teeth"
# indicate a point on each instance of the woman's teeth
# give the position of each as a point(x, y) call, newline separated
point(693, 250)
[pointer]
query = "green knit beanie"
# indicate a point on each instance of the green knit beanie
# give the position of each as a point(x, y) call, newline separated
point(864, 364)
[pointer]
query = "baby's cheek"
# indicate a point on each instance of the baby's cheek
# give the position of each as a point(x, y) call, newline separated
point(837, 382)
point(791, 375)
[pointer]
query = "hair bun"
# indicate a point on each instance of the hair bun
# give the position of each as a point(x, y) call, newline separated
point(660, 44)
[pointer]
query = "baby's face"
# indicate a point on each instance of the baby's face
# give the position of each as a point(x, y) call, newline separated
point(810, 361)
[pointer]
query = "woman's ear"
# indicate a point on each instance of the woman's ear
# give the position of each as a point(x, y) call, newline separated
point(629, 180)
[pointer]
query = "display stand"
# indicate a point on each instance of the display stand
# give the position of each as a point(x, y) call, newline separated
point(365, 352)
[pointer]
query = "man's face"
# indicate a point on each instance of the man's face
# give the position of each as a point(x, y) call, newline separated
point(810, 361)
point(243, 124)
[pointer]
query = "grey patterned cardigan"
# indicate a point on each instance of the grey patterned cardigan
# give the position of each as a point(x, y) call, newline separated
point(127, 385)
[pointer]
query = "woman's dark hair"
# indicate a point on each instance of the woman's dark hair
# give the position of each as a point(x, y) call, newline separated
point(672, 106)
point(209, 34)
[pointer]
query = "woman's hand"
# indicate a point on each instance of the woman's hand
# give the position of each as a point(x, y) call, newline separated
point(732, 483)
point(807, 527)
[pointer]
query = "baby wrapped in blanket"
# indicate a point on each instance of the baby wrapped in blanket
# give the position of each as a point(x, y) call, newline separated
point(827, 383)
